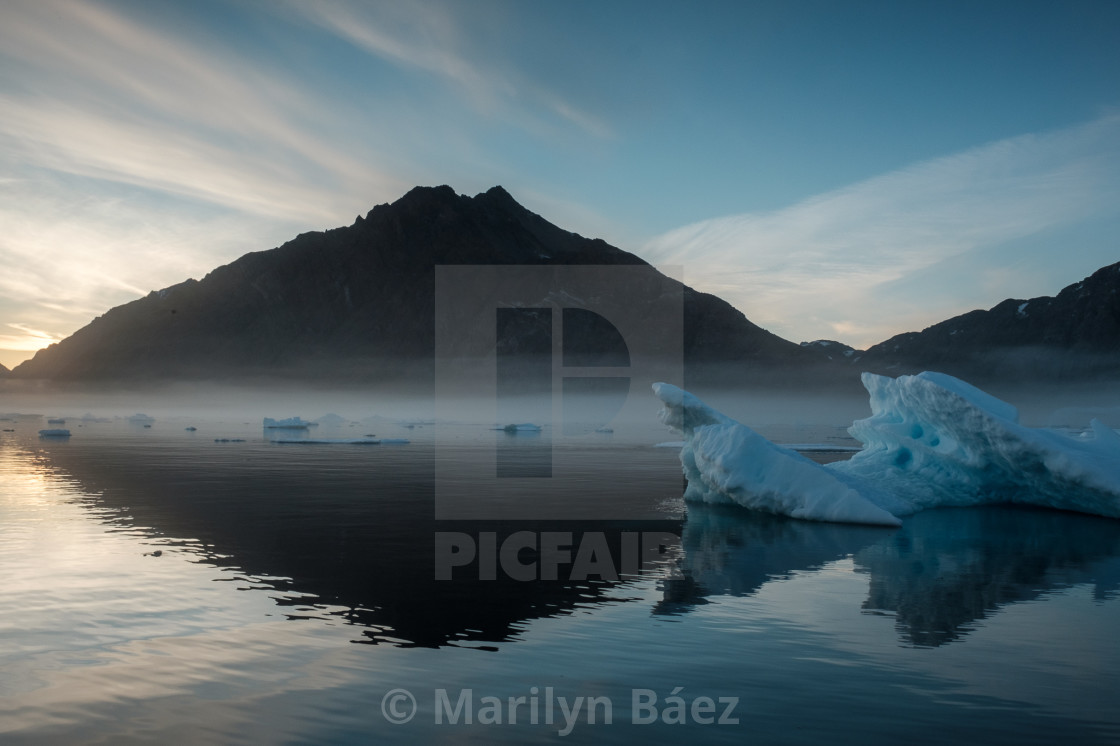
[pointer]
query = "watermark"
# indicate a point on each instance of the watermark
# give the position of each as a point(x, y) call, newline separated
point(543, 706)
point(398, 706)
point(554, 355)
point(550, 555)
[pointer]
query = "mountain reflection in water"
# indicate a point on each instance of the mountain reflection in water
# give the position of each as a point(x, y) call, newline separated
point(348, 534)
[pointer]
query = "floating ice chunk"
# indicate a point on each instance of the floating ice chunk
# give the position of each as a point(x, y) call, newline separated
point(54, 433)
point(727, 462)
point(141, 419)
point(936, 440)
point(932, 440)
point(524, 427)
point(342, 441)
point(291, 423)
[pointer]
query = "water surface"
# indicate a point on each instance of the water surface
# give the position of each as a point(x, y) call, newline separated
point(295, 588)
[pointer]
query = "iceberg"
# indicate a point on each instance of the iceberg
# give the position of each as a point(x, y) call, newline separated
point(520, 427)
point(291, 423)
point(342, 441)
point(54, 433)
point(932, 440)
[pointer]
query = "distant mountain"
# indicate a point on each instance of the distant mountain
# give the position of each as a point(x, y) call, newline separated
point(357, 302)
point(1073, 335)
point(4, 372)
point(831, 349)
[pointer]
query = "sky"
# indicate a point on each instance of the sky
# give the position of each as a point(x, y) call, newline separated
point(838, 169)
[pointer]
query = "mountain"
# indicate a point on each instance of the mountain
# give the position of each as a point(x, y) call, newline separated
point(357, 302)
point(4, 372)
point(1073, 335)
point(831, 349)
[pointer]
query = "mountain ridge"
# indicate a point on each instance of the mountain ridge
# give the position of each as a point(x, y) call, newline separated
point(1074, 333)
point(356, 301)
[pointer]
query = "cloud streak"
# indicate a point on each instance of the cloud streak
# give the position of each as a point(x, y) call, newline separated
point(133, 104)
point(28, 340)
point(429, 37)
point(817, 268)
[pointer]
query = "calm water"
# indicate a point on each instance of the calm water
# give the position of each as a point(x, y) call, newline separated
point(296, 588)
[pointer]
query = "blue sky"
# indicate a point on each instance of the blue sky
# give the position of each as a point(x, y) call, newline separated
point(844, 170)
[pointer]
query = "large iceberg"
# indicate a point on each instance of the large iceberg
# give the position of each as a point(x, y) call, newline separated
point(932, 440)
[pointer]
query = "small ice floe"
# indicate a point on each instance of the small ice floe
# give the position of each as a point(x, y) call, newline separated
point(670, 444)
point(340, 441)
point(290, 423)
point(523, 427)
point(56, 420)
point(141, 419)
point(191, 429)
point(229, 440)
point(54, 433)
point(604, 429)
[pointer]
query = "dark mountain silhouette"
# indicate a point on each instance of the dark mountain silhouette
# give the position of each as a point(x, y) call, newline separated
point(4, 372)
point(1073, 335)
point(357, 302)
point(831, 349)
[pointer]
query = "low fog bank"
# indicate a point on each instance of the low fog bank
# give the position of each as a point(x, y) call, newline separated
point(250, 400)
point(755, 400)
point(1070, 404)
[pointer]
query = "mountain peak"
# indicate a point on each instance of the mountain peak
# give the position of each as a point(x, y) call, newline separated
point(357, 300)
point(441, 193)
point(498, 193)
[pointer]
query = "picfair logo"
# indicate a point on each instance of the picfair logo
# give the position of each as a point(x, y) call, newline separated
point(559, 355)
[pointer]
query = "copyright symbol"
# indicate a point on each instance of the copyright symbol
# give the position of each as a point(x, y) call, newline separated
point(398, 706)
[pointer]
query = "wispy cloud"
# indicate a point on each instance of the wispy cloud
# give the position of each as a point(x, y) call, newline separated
point(96, 94)
point(28, 339)
point(135, 156)
point(821, 267)
point(430, 37)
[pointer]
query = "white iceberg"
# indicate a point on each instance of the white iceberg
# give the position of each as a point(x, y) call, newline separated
point(932, 440)
point(290, 423)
